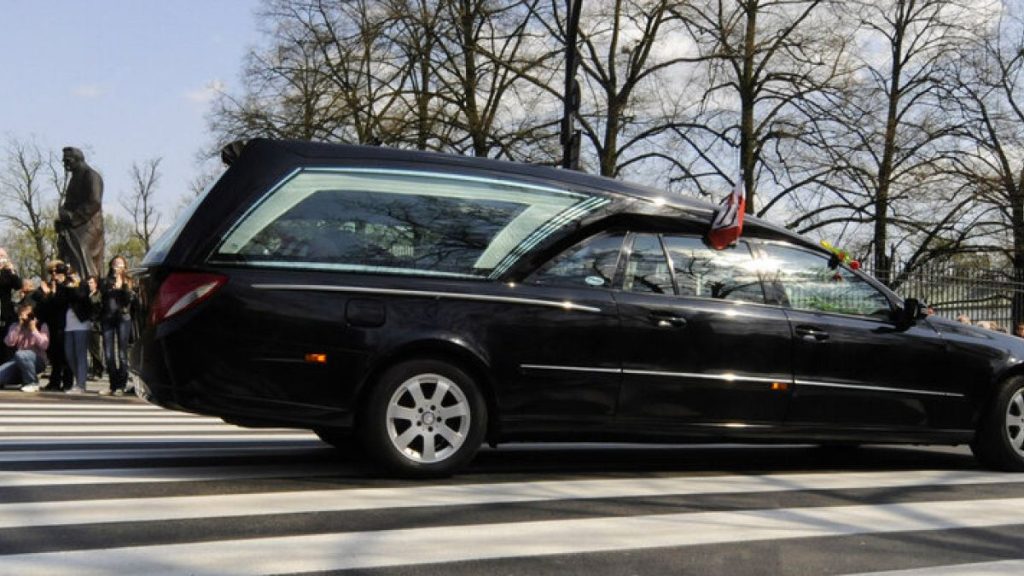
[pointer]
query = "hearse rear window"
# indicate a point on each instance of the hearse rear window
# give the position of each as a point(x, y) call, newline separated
point(400, 222)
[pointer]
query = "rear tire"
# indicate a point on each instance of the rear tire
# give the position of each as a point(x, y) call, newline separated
point(999, 441)
point(424, 418)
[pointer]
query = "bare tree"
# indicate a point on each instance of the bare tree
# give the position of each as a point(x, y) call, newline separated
point(624, 74)
point(989, 96)
point(766, 57)
point(324, 76)
point(140, 202)
point(411, 28)
point(30, 186)
point(482, 51)
point(890, 133)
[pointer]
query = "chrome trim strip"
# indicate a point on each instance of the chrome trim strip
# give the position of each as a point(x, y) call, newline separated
point(444, 172)
point(734, 377)
point(564, 305)
point(879, 389)
point(572, 368)
point(735, 425)
point(718, 377)
point(722, 377)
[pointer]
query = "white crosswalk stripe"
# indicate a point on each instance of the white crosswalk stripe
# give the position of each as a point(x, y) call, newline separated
point(455, 544)
point(1002, 568)
point(197, 496)
point(153, 509)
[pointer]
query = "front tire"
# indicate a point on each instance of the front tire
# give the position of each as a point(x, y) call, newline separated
point(424, 418)
point(999, 442)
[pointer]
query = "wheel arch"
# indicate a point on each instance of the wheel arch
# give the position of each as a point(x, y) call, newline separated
point(449, 350)
point(991, 390)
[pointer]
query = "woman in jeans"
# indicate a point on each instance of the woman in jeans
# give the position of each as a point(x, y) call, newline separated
point(116, 321)
point(77, 327)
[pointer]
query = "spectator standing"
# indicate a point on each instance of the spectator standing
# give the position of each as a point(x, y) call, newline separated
point(53, 307)
point(77, 328)
point(29, 339)
point(1019, 330)
point(118, 299)
point(96, 334)
point(9, 282)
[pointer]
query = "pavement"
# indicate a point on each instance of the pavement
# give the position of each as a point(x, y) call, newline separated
point(92, 389)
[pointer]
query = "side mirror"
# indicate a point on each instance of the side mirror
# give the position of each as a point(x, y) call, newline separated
point(910, 313)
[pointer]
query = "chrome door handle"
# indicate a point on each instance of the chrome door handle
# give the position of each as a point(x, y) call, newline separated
point(811, 333)
point(668, 320)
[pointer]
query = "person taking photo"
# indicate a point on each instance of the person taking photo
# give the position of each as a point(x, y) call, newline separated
point(29, 339)
point(9, 282)
point(116, 320)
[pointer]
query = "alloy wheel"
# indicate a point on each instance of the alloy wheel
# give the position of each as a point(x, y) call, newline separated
point(1015, 422)
point(428, 418)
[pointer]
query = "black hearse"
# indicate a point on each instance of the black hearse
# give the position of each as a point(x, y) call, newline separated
point(419, 304)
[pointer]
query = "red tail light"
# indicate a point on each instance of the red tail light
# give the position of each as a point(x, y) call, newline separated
point(182, 291)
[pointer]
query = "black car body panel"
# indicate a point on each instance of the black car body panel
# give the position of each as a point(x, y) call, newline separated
point(299, 346)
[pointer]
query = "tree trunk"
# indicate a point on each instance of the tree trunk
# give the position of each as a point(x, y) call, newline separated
point(747, 98)
point(1017, 227)
point(883, 267)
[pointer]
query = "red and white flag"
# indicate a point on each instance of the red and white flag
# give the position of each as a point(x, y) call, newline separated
point(727, 222)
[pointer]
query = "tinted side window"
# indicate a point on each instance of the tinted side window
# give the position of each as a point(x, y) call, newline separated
point(807, 282)
point(400, 222)
point(647, 268)
point(590, 263)
point(729, 274)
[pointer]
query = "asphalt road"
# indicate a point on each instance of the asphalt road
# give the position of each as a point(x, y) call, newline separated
point(92, 485)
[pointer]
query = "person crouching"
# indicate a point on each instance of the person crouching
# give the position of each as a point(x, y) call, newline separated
point(29, 339)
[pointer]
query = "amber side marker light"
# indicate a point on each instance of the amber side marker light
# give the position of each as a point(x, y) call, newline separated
point(316, 358)
point(779, 386)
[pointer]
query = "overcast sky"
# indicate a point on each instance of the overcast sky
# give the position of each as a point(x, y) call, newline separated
point(125, 80)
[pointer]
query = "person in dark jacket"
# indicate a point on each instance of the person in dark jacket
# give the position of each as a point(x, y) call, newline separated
point(9, 282)
point(96, 335)
point(52, 309)
point(116, 319)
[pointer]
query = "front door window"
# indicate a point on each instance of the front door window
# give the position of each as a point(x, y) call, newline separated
point(804, 280)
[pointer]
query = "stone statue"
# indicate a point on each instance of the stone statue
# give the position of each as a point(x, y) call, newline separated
point(79, 223)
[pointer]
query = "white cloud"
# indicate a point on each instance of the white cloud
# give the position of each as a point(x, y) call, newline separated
point(206, 93)
point(88, 91)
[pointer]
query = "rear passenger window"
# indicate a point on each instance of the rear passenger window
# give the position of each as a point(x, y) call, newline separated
point(647, 268)
point(591, 263)
point(400, 222)
point(701, 271)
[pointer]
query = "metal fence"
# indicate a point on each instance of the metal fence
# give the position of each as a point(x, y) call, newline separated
point(981, 294)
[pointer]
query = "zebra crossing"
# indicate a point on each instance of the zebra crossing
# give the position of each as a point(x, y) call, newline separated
point(101, 486)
